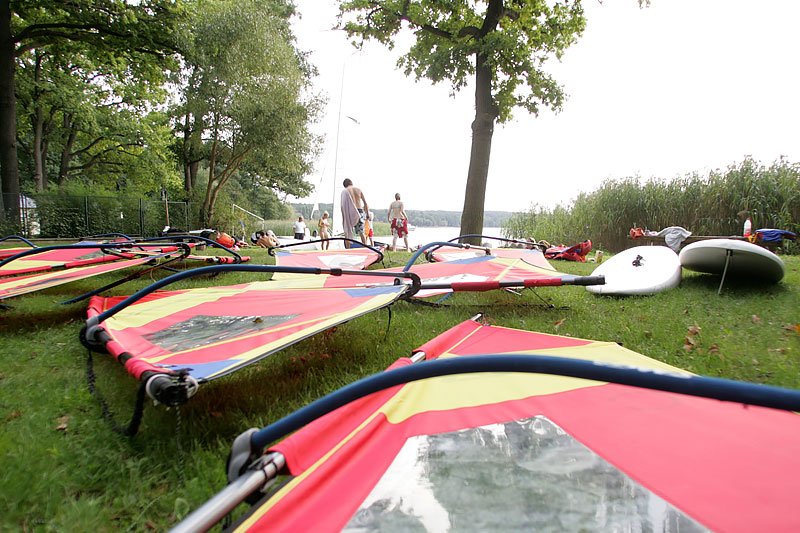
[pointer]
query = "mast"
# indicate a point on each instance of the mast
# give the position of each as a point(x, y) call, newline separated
point(336, 226)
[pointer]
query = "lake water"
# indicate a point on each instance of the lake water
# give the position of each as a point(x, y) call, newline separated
point(424, 235)
point(418, 237)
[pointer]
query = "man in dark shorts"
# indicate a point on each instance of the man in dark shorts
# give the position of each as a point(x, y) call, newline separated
point(354, 211)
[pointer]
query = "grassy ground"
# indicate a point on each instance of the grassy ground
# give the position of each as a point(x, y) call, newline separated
point(65, 469)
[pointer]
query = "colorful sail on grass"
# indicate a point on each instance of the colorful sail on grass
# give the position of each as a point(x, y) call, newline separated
point(492, 451)
point(210, 332)
point(531, 256)
point(482, 273)
point(35, 269)
point(85, 253)
point(5, 253)
point(347, 258)
point(18, 285)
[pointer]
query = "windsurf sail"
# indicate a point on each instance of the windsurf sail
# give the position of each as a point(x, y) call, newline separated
point(41, 259)
point(483, 273)
point(67, 263)
point(347, 258)
point(18, 285)
point(503, 429)
point(8, 252)
point(531, 256)
point(459, 250)
point(163, 338)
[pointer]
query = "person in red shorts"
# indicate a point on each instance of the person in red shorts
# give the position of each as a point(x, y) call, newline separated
point(399, 221)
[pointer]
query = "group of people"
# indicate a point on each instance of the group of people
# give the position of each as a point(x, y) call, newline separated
point(357, 218)
point(357, 221)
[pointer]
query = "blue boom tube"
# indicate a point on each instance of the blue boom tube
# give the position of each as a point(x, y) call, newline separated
point(703, 386)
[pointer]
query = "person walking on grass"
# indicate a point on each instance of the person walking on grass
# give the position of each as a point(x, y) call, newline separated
point(354, 211)
point(399, 221)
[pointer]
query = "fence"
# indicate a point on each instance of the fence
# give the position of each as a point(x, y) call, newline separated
point(60, 216)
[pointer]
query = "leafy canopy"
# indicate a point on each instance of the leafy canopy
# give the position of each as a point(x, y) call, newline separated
point(514, 38)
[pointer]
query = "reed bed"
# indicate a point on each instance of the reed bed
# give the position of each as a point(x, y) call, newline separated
point(712, 204)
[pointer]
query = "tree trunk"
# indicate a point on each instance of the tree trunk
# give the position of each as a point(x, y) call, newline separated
point(206, 212)
point(38, 163)
point(66, 152)
point(45, 146)
point(9, 166)
point(212, 204)
point(38, 128)
point(482, 131)
point(189, 173)
point(192, 168)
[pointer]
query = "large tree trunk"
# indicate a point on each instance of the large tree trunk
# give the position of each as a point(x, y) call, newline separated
point(38, 151)
point(206, 211)
point(482, 131)
point(9, 166)
point(39, 179)
point(66, 152)
point(190, 166)
point(189, 177)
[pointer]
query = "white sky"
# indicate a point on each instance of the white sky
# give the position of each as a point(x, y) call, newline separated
point(679, 87)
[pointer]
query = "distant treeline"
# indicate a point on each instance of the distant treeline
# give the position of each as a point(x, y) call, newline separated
point(714, 204)
point(492, 219)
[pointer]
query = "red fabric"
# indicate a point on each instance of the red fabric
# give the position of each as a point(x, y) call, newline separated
point(39, 281)
point(302, 312)
point(400, 226)
point(576, 252)
point(487, 267)
point(67, 258)
point(636, 233)
point(226, 240)
point(439, 345)
point(532, 257)
point(730, 468)
point(356, 258)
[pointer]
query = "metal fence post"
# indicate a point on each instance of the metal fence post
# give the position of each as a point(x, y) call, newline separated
point(86, 215)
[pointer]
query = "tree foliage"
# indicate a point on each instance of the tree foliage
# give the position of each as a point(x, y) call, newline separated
point(117, 46)
point(503, 45)
point(245, 109)
point(83, 120)
point(119, 95)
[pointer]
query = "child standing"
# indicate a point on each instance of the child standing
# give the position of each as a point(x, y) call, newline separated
point(324, 233)
point(368, 229)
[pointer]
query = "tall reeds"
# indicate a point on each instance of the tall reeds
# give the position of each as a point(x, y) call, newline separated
point(705, 205)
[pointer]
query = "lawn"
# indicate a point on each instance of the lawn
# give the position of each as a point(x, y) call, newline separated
point(64, 468)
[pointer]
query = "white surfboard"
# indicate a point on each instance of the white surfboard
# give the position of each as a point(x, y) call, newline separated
point(728, 257)
point(639, 270)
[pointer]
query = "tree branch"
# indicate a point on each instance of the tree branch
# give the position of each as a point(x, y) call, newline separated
point(403, 15)
point(95, 159)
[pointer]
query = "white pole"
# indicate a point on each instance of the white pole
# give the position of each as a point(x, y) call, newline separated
point(337, 226)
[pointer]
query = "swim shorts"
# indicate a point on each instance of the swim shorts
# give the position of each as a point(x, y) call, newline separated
point(359, 227)
point(400, 227)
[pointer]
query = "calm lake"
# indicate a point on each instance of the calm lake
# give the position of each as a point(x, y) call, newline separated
point(424, 235)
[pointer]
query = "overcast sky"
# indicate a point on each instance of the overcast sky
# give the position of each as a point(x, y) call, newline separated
point(679, 87)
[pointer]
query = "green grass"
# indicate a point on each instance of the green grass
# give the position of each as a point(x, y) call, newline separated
point(65, 469)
